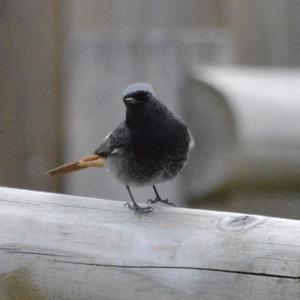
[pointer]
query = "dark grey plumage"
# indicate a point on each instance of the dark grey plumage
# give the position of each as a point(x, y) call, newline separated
point(150, 146)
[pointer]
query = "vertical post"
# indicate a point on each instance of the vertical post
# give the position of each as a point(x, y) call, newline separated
point(30, 97)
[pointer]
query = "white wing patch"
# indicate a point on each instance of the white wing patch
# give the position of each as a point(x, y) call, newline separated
point(117, 150)
point(107, 136)
point(192, 141)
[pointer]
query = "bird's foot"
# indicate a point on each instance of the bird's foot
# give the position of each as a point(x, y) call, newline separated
point(138, 209)
point(165, 201)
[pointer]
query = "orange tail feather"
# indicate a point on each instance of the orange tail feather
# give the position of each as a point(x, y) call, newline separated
point(83, 163)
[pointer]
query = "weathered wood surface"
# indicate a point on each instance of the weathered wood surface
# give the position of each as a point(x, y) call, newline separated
point(68, 247)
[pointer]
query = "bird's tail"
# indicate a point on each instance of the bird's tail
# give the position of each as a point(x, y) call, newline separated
point(85, 162)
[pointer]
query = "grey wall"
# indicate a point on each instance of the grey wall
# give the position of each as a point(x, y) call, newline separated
point(140, 15)
point(266, 32)
point(99, 70)
point(111, 44)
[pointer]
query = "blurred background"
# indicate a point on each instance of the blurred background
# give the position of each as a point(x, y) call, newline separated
point(229, 68)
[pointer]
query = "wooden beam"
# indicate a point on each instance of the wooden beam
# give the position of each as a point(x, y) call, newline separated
point(69, 247)
point(31, 100)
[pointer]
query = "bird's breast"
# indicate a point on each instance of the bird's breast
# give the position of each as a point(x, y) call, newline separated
point(154, 153)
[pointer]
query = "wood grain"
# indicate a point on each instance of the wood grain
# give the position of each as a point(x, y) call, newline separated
point(84, 248)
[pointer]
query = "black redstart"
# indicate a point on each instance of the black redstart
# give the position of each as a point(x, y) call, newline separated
point(149, 147)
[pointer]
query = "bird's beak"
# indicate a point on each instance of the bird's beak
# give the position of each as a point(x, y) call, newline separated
point(130, 100)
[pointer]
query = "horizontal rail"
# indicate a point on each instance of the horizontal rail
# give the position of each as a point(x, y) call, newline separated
point(68, 247)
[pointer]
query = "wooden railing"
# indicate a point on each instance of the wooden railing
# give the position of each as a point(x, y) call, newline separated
point(68, 247)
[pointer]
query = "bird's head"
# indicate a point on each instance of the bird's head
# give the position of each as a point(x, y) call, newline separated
point(137, 94)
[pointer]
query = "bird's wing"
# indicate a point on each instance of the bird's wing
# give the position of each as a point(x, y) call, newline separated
point(115, 141)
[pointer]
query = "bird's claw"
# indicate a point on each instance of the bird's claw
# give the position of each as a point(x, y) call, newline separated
point(138, 209)
point(165, 201)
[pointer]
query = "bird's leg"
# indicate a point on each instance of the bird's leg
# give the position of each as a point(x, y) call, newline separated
point(158, 199)
point(134, 206)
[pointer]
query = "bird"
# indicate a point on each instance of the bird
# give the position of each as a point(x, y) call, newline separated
point(151, 146)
